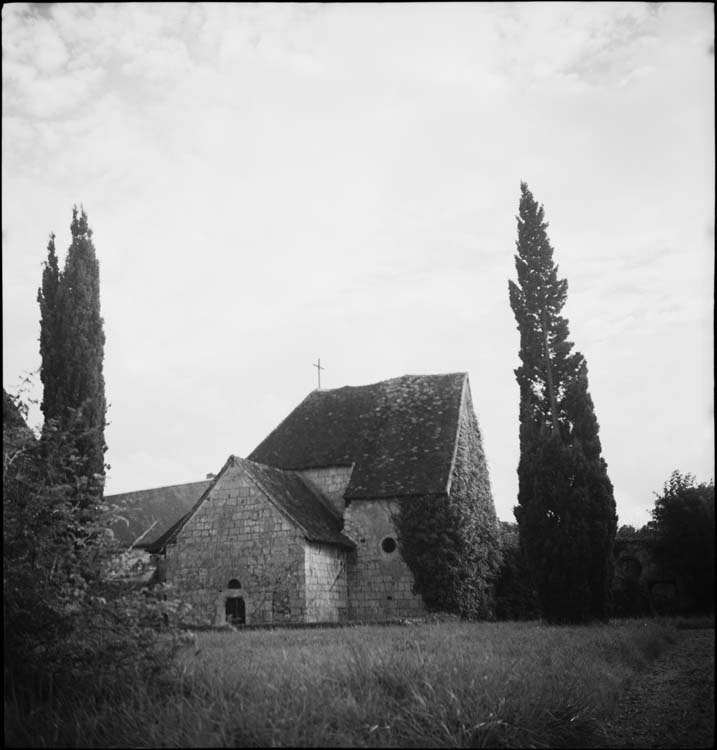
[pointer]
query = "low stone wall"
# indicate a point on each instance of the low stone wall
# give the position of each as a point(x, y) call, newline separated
point(641, 584)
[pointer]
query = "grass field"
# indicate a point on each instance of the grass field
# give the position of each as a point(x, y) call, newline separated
point(449, 684)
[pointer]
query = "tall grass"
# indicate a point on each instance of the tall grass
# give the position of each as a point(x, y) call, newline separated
point(438, 685)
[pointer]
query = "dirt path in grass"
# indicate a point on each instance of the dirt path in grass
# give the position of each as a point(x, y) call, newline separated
point(671, 704)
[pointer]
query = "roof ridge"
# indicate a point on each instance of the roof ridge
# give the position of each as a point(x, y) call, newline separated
point(266, 439)
point(461, 405)
point(161, 487)
point(172, 538)
point(389, 380)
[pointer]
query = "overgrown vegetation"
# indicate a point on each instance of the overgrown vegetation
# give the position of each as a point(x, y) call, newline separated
point(72, 343)
point(515, 596)
point(683, 523)
point(73, 628)
point(442, 685)
point(451, 544)
point(76, 630)
point(566, 510)
point(452, 553)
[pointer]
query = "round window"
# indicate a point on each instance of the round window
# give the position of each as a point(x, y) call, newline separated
point(388, 545)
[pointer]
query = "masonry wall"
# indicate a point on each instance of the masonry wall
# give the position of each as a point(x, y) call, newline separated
point(379, 582)
point(237, 533)
point(331, 482)
point(326, 583)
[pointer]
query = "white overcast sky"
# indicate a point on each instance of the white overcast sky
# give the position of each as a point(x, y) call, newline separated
point(269, 184)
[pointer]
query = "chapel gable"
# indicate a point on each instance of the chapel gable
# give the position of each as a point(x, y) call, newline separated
point(303, 530)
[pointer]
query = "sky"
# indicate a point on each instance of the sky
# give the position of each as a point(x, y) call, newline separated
point(272, 184)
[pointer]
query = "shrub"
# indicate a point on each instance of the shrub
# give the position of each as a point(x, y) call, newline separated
point(515, 597)
point(73, 625)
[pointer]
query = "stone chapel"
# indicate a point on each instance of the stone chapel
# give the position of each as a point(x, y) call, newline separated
point(302, 529)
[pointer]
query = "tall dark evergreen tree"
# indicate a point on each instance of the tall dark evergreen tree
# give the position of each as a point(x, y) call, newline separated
point(566, 510)
point(49, 332)
point(72, 345)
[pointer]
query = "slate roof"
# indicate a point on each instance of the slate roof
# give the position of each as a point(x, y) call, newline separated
point(301, 502)
point(399, 433)
point(163, 505)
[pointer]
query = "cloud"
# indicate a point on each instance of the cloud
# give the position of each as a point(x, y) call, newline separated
point(61, 95)
point(166, 60)
point(37, 41)
point(270, 183)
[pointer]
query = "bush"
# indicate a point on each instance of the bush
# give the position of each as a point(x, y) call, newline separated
point(73, 625)
point(630, 598)
point(515, 596)
point(684, 525)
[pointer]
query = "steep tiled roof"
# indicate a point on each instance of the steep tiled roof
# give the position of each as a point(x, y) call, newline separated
point(300, 502)
point(399, 433)
point(312, 513)
point(162, 506)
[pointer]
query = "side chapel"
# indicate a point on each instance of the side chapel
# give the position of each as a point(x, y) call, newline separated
point(302, 529)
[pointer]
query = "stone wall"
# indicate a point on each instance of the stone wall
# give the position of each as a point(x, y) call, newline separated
point(379, 581)
point(326, 583)
point(331, 482)
point(237, 533)
point(641, 584)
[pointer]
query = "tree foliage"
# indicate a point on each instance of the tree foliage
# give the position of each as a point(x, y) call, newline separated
point(566, 510)
point(515, 596)
point(684, 526)
point(451, 543)
point(74, 627)
point(72, 347)
point(445, 548)
point(51, 366)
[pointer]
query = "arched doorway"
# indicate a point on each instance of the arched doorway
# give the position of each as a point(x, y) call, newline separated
point(235, 610)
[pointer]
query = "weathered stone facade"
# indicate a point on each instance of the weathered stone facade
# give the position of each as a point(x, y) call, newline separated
point(303, 530)
point(326, 583)
point(380, 583)
point(237, 534)
point(331, 482)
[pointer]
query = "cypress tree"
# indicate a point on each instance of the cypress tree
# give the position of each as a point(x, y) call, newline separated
point(49, 332)
point(566, 510)
point(72, 346)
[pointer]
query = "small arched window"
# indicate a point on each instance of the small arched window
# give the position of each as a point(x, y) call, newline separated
point(234, 584)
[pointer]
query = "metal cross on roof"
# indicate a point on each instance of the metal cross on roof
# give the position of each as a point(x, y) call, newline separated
point(319, 368)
